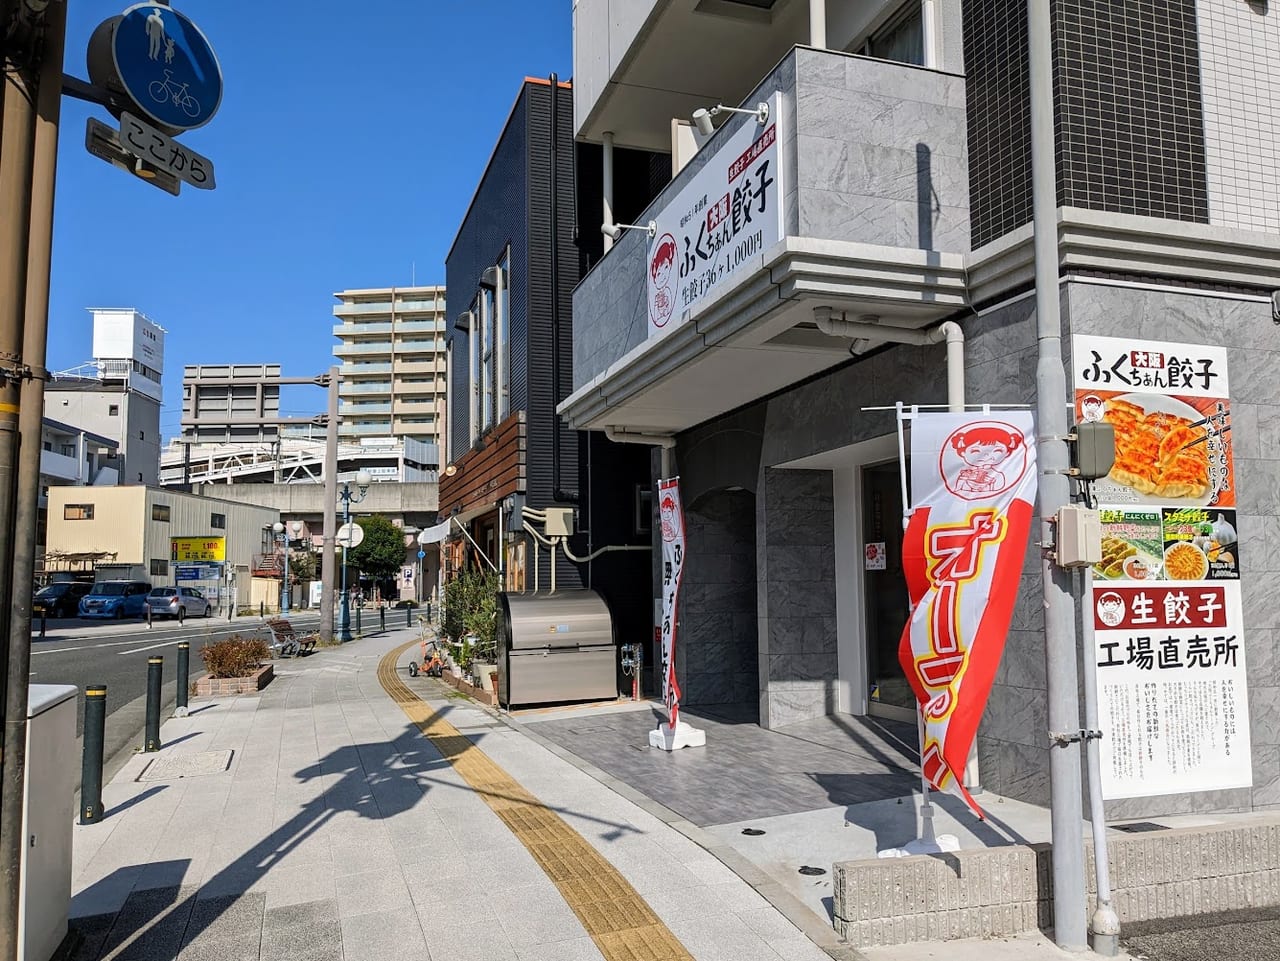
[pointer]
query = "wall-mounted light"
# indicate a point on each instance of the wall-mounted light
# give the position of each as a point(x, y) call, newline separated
point(491, 277)
point(450, 470)
point(702, 116)
point(464, 321)
point(614, 231)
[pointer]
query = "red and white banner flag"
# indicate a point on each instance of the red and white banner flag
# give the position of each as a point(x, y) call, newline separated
point(973, 478)
point(672, 516)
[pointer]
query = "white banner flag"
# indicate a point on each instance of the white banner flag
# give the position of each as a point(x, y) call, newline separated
point(672, 515)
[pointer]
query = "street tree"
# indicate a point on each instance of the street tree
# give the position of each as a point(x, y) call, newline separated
point(381, 553)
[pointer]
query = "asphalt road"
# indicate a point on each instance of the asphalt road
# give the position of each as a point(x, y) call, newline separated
point(83, 652)
point(1252, 935)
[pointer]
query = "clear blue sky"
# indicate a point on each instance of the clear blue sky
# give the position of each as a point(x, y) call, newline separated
point(349, 142)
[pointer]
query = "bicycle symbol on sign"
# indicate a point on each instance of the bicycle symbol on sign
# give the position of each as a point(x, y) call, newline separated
point(169, 89)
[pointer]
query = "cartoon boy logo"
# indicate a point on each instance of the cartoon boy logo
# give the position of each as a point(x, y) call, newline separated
point(993, 459)
point(662, 298)
point(1111, 609)
point(1091, 408)
point(667, 510)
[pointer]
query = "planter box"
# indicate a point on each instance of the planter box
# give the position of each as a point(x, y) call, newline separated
point(225, 686)
point(484, 697)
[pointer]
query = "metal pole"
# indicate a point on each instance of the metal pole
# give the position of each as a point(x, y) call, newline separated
point(1104, 925)
point(28, 165)
point(285, 591)
point(330, 505)
point(184, 679)
point(382, 619)
point(95, 724)
point(155, 677)
point(344, 602)
point(1051, 415)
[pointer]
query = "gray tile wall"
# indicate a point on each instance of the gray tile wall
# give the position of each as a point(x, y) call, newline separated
point(876, 153)
point(1245, 327)
point(716, 649)
point(796, 596)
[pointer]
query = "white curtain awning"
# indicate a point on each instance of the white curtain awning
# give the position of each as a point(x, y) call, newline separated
point(434, 535)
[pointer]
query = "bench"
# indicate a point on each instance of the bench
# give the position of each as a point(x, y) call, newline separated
point(285, 641)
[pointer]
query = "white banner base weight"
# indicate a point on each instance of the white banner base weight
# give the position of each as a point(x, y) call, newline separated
point(684, 735)
point(940, 844)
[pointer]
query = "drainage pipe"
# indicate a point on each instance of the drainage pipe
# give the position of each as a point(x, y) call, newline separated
point(833, 324)
point(620, 436)
point(818, 24)
point(607, 191)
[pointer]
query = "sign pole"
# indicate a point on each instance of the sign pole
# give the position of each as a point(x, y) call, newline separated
point(1054, 461)
point(330, 507)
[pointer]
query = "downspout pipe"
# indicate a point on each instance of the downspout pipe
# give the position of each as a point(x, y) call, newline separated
point(833, 324)
point(620, 436)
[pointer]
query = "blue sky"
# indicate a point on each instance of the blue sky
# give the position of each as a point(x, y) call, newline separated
point(350, 139)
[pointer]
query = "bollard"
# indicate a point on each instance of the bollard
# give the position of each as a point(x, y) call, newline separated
point(382, 620)
point(155, 672)
point(358, 628)
point(262, 608)
point(43, 625)
point(408, 617)
point(95, 722)
point(147, 608)
point(184, 683)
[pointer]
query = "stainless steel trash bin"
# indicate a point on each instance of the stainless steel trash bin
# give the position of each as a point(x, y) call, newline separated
point(555, 647)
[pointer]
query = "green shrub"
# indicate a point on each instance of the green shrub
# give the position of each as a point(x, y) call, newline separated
point(235, 657)
point(471, 609)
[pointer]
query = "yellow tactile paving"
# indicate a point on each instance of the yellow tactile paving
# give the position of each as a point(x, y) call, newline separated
point(620, 922)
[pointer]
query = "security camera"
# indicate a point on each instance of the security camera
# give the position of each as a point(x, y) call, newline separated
point(612, 231)
point(702, 120)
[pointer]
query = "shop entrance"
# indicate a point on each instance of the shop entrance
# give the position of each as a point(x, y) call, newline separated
point(885, 590)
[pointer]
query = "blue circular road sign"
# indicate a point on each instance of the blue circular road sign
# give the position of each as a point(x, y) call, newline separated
point(167, 66)
point(421, 554)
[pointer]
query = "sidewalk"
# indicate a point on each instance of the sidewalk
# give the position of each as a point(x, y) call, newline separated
point(339, 816)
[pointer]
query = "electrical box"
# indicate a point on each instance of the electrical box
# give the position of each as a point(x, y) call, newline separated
point(559, 521)
point(1095, 449)
point(1079, 537)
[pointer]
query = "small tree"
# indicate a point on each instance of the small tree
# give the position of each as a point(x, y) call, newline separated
point(302, 566)
point(471, 608)
point(381, 553)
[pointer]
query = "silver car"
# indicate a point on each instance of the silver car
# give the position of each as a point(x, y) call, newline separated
point(179, 602)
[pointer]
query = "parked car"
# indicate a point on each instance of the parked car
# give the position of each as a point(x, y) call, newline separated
point(178, 602)
point(118, 599)
point(60, 599)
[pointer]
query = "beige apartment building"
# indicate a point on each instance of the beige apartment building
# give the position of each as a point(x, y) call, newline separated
point(149, 534)
point(392, 363)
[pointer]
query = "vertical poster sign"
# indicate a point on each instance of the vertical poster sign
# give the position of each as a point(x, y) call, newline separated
point(974, 478)
point(672, 516)
point(1164, 603)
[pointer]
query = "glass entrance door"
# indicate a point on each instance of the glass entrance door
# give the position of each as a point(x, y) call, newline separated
point(885, 590)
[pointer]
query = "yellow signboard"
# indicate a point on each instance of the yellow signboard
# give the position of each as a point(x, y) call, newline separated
point(197, 549)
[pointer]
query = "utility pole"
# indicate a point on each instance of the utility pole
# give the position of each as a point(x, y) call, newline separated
point(28, 166)
point(1055, 492)
point(330, 539)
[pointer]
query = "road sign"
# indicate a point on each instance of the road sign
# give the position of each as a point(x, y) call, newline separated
point(421, 554)
point(350, 535)
point(167, 66)
point(164, 152)
point(104, 143)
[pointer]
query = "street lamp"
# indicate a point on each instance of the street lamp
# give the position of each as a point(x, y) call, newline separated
point(283, 540)
point(363, 480)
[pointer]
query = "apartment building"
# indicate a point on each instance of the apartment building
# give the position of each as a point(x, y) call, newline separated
point(897, 198)
point(393, 363)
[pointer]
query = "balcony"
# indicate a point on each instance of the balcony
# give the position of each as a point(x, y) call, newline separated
point(364, 410)
point(421, 366)
point(363, 370)
point(420, 326)
point(61, 467)
point(362, 330)
point(379, 429)
point(357, 349)
point(364, 387)
point(358, 310)
point(866, 213)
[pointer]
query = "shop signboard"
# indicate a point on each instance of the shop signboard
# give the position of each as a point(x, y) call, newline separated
point(728, 213)
point(974, 479)
point(1163, 606)
point(188, 550)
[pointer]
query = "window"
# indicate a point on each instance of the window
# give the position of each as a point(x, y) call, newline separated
point(68, 450)
point(901, 39)
point(142, 435)
point(160, 512)
point(113, 410)
point(48, 445)
point(644, 509)
point(218, 522)
point(77, 512)
point(159, 568)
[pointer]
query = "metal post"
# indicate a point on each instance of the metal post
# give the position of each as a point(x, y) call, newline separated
point(1104, 925)
point(184, 679)
point(155, 677)
point(344, 615)
point(28, 166)
point(284, 588)
point(382, 620)
point(359, 624)
point(1054, 458)
point(330, 504)
point(606, 170)
point(408, 617)
point(95, 725)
